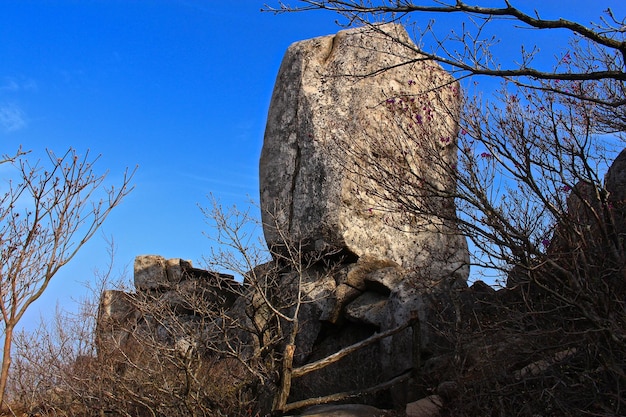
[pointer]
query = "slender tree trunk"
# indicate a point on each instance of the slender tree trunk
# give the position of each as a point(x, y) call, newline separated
point(6, 360)
point(285, 383)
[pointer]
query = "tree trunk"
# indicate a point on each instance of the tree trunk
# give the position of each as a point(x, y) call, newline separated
point(6, 360)
point(285, 385)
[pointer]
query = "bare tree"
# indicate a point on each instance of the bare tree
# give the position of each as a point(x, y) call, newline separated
point(279, 286)
point(530, 196)
point(207, 346)
point(46, 217)
point(54, 367)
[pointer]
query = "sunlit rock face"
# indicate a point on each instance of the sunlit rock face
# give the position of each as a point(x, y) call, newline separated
point(329, 114)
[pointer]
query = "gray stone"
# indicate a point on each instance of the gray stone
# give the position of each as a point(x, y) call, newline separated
point(117, 318)
point(176, 269)
point(615, 179)
point(615, 184)
point(586, 210)
point(328, 95)
point(344, 295)
point(363, 268)
point(150, 273)
point(115, 306)
point(369, 308)
point(385, 279)
point(314, 191)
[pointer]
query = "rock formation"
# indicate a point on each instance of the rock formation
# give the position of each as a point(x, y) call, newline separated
point(315, 188)
point(595, 217)
point(376, 270)
point(172, 286)
point(328, 100)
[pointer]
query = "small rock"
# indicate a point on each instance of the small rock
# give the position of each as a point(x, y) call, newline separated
point(369, 308)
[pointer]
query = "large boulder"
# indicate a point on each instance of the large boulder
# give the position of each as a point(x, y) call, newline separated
point(330, 97)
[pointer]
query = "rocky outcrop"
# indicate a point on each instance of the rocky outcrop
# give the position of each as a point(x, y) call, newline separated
point(174, 288)
point(117, 317)
point(330, 94)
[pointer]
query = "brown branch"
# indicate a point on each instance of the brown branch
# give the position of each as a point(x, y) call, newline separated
point(345, 395)
point(313, 366)
point(342, 6)
point(355, 9)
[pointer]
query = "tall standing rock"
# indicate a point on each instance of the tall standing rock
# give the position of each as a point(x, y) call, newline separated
point(331, 94)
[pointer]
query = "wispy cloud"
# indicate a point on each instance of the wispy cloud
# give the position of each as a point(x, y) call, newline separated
point(12, 117)
point(13, 84)
point(9, 84)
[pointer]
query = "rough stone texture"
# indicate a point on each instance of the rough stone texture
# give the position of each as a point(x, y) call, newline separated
point(154, 272)
point(117, 316)
point(385, 273)
point(367, 309)
point(385, 279)
point(149, 272)
point(615, 184)
point(585, 208)
point(312, 187)
point(115, 306)
point(168, 286)
point(320, 105)
point(362, 268)
point(615, 180)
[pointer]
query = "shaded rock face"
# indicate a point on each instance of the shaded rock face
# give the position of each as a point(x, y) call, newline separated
point(330, 93)
point(615, 180)
point(597, 212)
point(117, 317)
point(615, 184)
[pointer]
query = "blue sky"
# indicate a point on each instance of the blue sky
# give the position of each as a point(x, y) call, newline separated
point(179, 88)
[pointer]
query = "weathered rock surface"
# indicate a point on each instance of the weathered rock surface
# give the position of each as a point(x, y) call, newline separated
point(175, 289)
point(328, 94)
point(153, 272)
point(615, 180)
point(595, 214)
point(615, 184)
point(117, 316)
point(352, 301)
